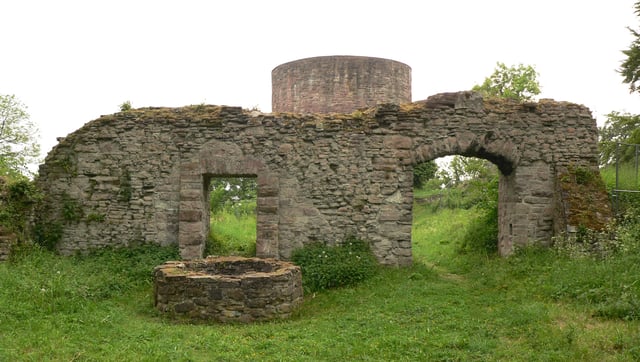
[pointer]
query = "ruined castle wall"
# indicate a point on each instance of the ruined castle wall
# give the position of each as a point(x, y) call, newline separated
point(139, 176)
point(339, 84)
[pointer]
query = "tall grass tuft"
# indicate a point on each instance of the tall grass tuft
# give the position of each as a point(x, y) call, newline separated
point(232, 234)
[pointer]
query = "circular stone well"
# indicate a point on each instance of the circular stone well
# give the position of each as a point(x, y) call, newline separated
point(228, 289)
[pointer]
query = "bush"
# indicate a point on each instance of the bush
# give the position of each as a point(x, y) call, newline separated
point(325, 267)
point(628, 231)
point(481, 234)
point(424, 172)
point(602, 267)
point(17, 198)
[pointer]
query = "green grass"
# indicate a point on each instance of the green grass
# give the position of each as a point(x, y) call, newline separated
point(232, 234)
point(536, 305)
point(442, 198)
point(628, 178)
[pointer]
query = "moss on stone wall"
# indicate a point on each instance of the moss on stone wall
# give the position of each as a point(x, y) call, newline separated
point(586, 201)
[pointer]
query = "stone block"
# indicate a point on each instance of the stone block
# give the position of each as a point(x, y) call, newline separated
point(267, 205)
point(190, 215)
point(191, 252)
point(389, 214)
point(191, 194)
point(190, 168)
point(397, 141)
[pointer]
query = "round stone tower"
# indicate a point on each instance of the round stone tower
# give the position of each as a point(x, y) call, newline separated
point(338, 84)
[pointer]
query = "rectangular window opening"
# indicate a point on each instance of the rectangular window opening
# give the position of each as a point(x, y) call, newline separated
point(232, 211)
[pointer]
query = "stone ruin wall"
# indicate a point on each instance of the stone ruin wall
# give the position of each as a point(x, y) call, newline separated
point(140, 176)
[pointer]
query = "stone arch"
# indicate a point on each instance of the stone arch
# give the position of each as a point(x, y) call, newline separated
point(224, 159)
point(493, 147)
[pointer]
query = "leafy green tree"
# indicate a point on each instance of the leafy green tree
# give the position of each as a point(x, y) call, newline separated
point(515, 82)
point(18, 138)
point(619, 127)
point(479, 178)
point(462, 169)
point(424, 172)
point(630, 67)
point(228, 193)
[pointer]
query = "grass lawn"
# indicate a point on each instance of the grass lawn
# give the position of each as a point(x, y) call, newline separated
point(232, 235)
point(447, 306)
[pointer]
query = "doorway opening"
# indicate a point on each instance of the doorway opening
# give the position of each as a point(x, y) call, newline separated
point(232, 216)
point(455, 208)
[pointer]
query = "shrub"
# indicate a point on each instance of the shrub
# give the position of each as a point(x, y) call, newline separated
point(47, 234)
point(125, 106)
point(424, 172)
point(17, 199)
point(481, 234)
point(325, 267)
point(629, 227)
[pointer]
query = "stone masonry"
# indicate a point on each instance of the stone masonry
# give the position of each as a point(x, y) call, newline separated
point(339, 84)
point(228, 289)
point(142, 176)
point(7, 240)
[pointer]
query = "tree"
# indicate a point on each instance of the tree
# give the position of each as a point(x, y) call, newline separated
point(468, 168)
point(630, 67)
point(515, 82)
point(618, 128)
point(231, 192)
point(18, 135)
point(424, 172)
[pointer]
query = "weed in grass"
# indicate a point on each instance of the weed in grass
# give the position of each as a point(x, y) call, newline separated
point(326, 266)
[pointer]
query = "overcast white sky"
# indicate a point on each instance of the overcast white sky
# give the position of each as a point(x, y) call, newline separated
point(72, 61)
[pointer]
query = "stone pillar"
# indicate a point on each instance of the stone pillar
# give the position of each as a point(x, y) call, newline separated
point(191, 231)
point(526, 207)
point(267, 206)
point(394, 218)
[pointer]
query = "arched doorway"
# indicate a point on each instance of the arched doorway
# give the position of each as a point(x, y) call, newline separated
point(518, 215)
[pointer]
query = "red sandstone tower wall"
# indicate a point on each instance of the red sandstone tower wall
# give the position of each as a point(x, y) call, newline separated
point(338, 84)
